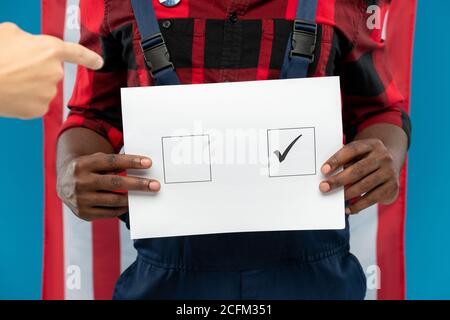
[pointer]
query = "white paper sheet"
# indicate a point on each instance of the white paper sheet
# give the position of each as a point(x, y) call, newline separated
point(221, 152)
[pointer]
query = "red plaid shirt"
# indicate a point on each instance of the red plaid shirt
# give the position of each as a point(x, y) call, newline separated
point(233, 40)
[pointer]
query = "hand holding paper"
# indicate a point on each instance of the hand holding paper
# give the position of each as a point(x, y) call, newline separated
point(89, 185)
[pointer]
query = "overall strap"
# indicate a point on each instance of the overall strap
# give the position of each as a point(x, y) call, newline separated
point(153, 46)
point(302, 42)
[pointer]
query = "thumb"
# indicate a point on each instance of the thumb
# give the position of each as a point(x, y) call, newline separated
point(76, 53)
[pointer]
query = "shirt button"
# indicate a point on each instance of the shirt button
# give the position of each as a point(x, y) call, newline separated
point(233, 17)
point(166, 24)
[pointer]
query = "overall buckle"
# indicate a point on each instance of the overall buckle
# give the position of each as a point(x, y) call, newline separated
point(304, 39)
point(156, 54)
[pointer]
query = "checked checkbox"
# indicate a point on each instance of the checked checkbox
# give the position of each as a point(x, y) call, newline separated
point(291, 152)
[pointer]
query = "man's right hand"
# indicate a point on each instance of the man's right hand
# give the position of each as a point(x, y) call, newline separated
point(89, 184)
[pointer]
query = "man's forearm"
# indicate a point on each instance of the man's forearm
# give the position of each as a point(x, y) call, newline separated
point(77, 142)
point(393, 137)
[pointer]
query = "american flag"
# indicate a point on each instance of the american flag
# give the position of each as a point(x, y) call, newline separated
point(82, 260)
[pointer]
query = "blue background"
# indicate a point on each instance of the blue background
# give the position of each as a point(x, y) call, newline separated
point(21, 186)
point(428, 219)
point(427, 235)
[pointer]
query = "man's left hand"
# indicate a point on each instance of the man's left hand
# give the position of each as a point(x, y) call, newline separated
point(370, 174)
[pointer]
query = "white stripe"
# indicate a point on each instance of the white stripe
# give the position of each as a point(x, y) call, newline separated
point(127, 251)
point(363, 244)
point(385, 26)
point(77, 233)
point(72, 34)
point(78, 255)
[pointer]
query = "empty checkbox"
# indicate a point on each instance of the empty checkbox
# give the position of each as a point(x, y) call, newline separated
point(186, 159)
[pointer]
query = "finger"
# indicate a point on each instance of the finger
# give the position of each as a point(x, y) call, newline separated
point(346, 154)
point(365, 185)
point(105, 213)
point(76, 53)
point(350, 175)
point(111, 199)
point(116, 182)
point(369, 199)
point(115, 162)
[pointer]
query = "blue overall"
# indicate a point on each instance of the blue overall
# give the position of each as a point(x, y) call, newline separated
point(254, 265)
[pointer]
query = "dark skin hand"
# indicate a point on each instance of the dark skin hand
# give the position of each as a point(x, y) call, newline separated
point(372, 165)
point(88, 179)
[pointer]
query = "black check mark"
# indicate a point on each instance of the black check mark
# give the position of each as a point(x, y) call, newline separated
point(283, 156)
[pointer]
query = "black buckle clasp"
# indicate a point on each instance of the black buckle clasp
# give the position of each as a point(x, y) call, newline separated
point(304, 39)
point(156, 54)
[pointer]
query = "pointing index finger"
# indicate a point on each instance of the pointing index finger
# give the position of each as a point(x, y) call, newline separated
point(76, 53)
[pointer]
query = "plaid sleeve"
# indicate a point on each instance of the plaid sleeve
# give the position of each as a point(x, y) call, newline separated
point(369, 93)
point(95, 102)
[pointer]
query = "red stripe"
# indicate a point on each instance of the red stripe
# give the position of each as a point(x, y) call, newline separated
point(92, 22)
point(391, 219)
point(393, 94)
point(53, 16)
point(291, 9)
point(142, 74)
point(106, 257)
point(391, 246)
point(262, 72)
point(326, 12)
point(198, 51)
point(325, 50)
